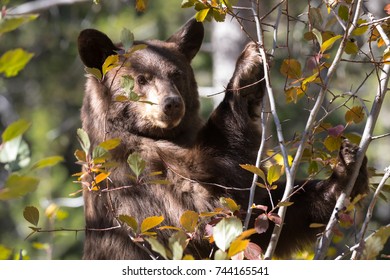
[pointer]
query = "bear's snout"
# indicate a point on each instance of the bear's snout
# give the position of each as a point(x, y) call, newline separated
point(173, 106)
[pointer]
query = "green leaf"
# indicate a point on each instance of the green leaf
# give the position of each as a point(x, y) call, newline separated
point(9, 23)
point(15, 129)
point(254, 169)
point(84, 140)
point(343, 12)
point(360, 30)
point(130, 221)
point(15, 154)
point(136, 163)
point(274, 173)
point(291, 68)
point(226, 231)
point(189, 220)
point(188, 3)
point(47, 162)
point(351, 48)
point(94, 72)
point(31, 214)
point(13, 61)
point(329, 43)
point(127, 39)
point(332, 143)
point(376, 242)
point(157, 247)
point(177, 244)
point(151, 222)
point(17, 186)
point(220, 255)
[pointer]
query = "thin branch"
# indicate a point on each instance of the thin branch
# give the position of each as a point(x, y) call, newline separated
point(380, 136)
point(40, 5)
point(358, 250)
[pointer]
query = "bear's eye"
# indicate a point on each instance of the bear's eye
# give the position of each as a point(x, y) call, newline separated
point(141, 80)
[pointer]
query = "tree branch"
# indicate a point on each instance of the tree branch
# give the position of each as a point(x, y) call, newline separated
point(40, 5)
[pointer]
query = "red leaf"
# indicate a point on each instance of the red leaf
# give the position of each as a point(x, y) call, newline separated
point(261, 223)
point(253, 252)
point(275, 218)
point(336, 131)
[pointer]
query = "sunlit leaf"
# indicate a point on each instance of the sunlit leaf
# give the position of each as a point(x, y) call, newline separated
point(329, 43)
point(237, 246)
point(47, 162)
point(274, 173)
point(189, 220)
point(130, 221)
point(13, 61)
point(31, 214)
point(15, 129)
point(226, 231)
point(188, 3)
point(261, 223)
point(110, 62)
point(9, 23)
point(110, 144)
point(151, 222)
point(355, 114)
point(101, 177)
point(285, 203)
point(254, 169)
point(202, 14)
point(291, 68)
point(17, 186)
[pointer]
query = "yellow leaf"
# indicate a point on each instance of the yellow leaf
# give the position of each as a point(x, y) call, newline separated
point(110, 144)
point(130, 221)
point(189, 220)
point(202, 14)
point(293, 94)
point(274, 173)
point(360, 30)
point(101, 177)
point(110, 62)
point(291, 68)
point(230, 203)
point(355, 114)
point(329, 43)
point(140, 5)
point(237, 246)
point(151, 222)
point(254, 169)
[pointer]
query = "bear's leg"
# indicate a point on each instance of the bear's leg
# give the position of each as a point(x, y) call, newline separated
point(315, 201)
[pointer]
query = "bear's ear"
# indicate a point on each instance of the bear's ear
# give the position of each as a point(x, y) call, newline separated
point(94, 47)
point(189, 38)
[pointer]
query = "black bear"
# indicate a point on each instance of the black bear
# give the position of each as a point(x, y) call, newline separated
point(195, 157)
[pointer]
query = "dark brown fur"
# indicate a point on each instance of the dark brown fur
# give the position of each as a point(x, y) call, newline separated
point(193, 156)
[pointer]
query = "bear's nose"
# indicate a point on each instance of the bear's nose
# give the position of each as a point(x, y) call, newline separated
point(172, 105)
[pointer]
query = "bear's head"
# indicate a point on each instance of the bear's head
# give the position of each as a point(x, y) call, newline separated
point(167, 98)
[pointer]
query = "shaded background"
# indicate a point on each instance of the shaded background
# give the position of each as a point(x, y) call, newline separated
point(49, 92)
